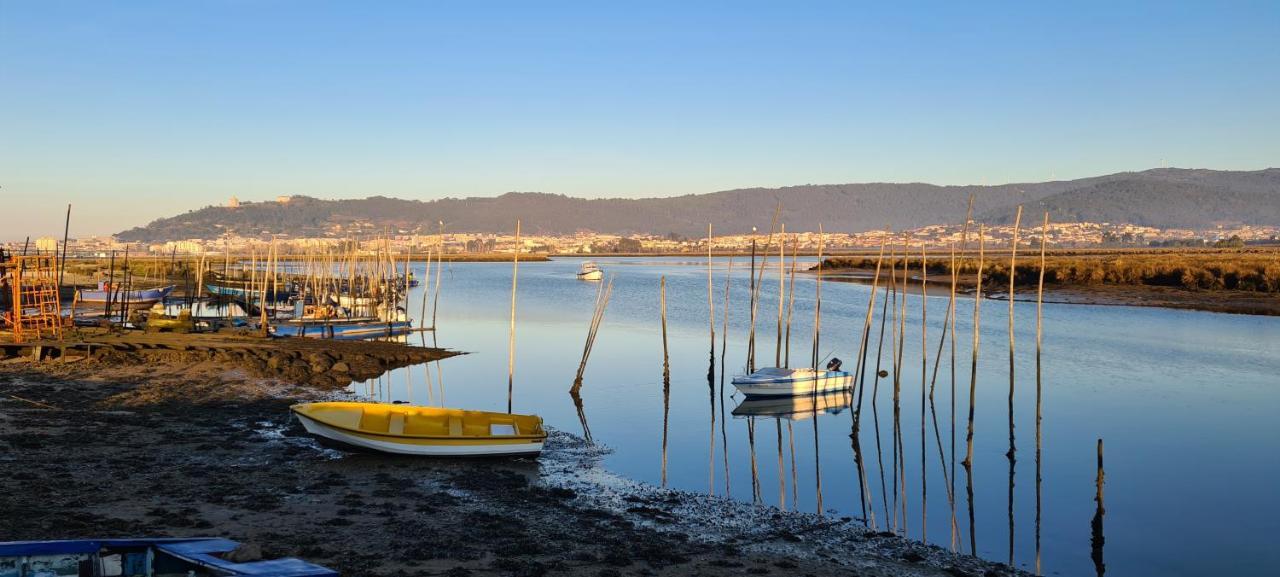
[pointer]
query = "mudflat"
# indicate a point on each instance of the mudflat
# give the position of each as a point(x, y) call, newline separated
point(116, 447)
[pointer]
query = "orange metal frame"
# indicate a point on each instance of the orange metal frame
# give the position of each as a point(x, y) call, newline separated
point(37, 312)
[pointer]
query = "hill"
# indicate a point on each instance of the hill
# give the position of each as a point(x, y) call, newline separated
point(1160, 197)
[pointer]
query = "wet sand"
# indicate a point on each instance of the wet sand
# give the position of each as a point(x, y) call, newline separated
point(114, 447)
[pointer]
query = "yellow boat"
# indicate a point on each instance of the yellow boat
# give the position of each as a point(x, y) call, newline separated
point(414, 430)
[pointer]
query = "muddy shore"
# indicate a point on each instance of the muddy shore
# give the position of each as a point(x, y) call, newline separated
point(121, 446)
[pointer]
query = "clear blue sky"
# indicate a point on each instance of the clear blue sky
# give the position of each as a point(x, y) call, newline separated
point(136, 110)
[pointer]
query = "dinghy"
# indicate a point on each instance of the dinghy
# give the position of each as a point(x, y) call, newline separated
point(106, 292)
point(180, 556)
point(415, 430)
point(783, 382)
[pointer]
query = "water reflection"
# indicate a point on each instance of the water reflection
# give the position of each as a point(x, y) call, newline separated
point(1169, 363)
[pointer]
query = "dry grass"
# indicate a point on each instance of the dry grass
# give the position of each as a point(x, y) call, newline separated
point(1249, 270)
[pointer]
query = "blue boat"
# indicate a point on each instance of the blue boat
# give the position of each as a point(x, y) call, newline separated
point(164, 556)
point(219, 285)
point(117, 295)
point(340, 328)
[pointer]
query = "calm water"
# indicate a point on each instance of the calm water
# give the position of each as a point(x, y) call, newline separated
point(1185, 401)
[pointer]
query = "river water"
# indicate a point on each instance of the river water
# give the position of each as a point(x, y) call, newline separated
point(1186, 403)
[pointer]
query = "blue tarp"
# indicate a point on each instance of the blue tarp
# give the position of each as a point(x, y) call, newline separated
point(197, 551)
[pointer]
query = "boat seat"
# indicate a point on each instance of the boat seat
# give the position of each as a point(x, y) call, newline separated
point(396, 427)
point(455, 427)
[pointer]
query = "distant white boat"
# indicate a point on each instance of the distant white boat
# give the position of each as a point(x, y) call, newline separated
point(782, 382)
point(589, 271)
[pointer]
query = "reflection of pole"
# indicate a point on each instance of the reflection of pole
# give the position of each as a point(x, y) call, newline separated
point(1096, 540)
point(782, 478)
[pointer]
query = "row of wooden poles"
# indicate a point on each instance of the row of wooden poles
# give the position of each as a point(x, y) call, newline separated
point(896, 297)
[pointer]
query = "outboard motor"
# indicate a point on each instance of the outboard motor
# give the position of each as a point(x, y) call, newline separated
point(834, 364)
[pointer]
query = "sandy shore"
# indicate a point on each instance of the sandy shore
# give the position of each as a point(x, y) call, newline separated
point(100, 447)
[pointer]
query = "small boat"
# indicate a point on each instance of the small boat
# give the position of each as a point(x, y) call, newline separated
point(220, 285)
point(341, 328)
point(783, 382)
point(173, 556)
point(415, 430)
point(330, 322)
point(144, 297)
point(589, 271)
point(794, 408)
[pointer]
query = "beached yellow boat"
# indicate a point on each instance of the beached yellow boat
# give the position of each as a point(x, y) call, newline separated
point(414, 430)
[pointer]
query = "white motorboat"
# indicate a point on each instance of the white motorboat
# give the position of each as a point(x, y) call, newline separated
point(786, 382)
point(589, 271)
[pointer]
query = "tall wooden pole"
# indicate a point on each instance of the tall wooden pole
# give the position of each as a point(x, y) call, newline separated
point(924, 368)
point(711, 308)
point(511, 335)
point(1044, 233)
point(66, 231)
point(782, 274)
point(1013, 448)
point(666, 375)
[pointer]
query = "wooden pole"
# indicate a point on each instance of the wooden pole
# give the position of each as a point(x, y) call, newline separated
point(791, 303)
point(666, 374)
point(859, 381)
point(66, 231)
point(603, 291)
point(973, 388)
point(724, 347)
point(711, 309)
point(817, 336)
point(435, 304)
point(511, 334)
point(1013, 447)
point(973, 372)
point(817, 304)
point(782, 292)
point(924, 368)
point(711, 372)
point(1044, 233)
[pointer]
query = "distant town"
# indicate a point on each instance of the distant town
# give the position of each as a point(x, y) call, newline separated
point(1061, 235)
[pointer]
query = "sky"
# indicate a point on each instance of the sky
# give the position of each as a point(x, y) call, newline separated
point(132, 111)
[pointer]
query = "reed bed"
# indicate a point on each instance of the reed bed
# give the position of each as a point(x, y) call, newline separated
point(1248, 271)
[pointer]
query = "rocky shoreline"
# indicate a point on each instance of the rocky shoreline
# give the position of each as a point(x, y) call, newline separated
point(113, 447)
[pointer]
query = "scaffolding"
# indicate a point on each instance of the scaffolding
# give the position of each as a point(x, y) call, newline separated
point(36, 312)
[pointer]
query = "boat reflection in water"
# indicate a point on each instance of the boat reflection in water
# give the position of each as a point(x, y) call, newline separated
point(793, 408)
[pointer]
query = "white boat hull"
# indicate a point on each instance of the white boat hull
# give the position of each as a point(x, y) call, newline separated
point(591, 275)
point(373, 443)
point(814, 383)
